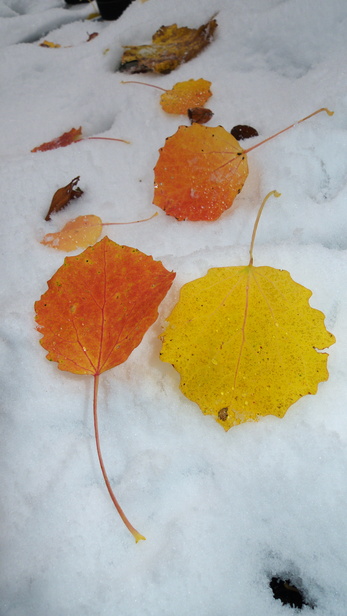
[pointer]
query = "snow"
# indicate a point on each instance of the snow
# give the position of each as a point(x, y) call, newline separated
point(222, 512)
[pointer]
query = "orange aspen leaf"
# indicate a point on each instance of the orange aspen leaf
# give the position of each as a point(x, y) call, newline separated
point(81, 232)
point(171, 46)
point(97, 308)
point(200, 171)
point(183, 96)
point(246, 342)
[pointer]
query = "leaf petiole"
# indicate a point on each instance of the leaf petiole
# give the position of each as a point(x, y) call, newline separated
point(270, 194)
point(137, 536)
point(288, 127)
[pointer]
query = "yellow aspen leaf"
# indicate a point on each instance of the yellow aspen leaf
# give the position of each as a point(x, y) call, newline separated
point(49, 44)
point(246, 342)
point(170, 47)
point(80, 232)
point(183, 96)
point(186, 94)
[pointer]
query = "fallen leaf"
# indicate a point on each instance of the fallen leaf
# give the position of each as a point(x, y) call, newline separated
point(171, 46)
point(200, 171)
point(63, 196)
point(242, 131)
point(81, 232)
point(92, 36)
point(97, 308)
point(186, 94)
point(199, 115)
point(246, 342)
point(182, 96)
point(49, 44)
point(75, 134)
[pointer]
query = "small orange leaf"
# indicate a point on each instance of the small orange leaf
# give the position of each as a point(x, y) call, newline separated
point(171, 46)
point(80, 232)
point(186, 94)
point(63, 196)
point(75, 134)
point(199, 172)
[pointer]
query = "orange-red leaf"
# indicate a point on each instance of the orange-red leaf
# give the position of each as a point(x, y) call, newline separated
point(99, 305)
point(80, 232)
point(75, 134)
point(199, 172)
point(63, 196)
point(186, 94)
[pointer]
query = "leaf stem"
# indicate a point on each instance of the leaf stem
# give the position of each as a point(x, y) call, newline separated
point(129, 526)
point(270, 194)
point(109, 139)
point(132, 222)
point(288, 127)
point(143, 83)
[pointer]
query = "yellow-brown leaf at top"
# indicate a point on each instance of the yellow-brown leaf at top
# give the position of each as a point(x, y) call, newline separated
point(199, 172)
point(171, 46)
point(99, 305)
point(186, 94)
point(80, 232)
point(244, 341)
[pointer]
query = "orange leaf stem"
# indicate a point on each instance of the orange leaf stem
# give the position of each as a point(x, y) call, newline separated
point(270, 194)
point(129, 526)
point(143, 83)
point(288, 127)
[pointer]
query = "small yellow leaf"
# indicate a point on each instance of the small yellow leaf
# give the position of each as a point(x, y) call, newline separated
point(244, 340)
point(80, 232)
point(186, 94)
point(49, 44)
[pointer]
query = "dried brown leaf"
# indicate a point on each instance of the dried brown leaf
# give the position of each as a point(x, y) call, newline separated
point(63, 196)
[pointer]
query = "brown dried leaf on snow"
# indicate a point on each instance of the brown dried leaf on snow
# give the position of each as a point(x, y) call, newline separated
point(171, 46)
point(63, 196)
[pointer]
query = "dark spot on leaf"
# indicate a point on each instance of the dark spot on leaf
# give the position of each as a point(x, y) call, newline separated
point(223, 414)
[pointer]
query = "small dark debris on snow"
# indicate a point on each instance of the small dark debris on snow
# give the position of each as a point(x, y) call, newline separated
point(288, 593)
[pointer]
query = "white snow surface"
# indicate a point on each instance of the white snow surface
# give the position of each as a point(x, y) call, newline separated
point(222, 512)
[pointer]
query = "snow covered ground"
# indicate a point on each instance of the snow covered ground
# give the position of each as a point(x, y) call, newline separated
point(222, 512)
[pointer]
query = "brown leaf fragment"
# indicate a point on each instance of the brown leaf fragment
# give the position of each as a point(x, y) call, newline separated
point(242, 131)
point(171, 46)
point(63, 196)
point(199, 115)
point(92, 36)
